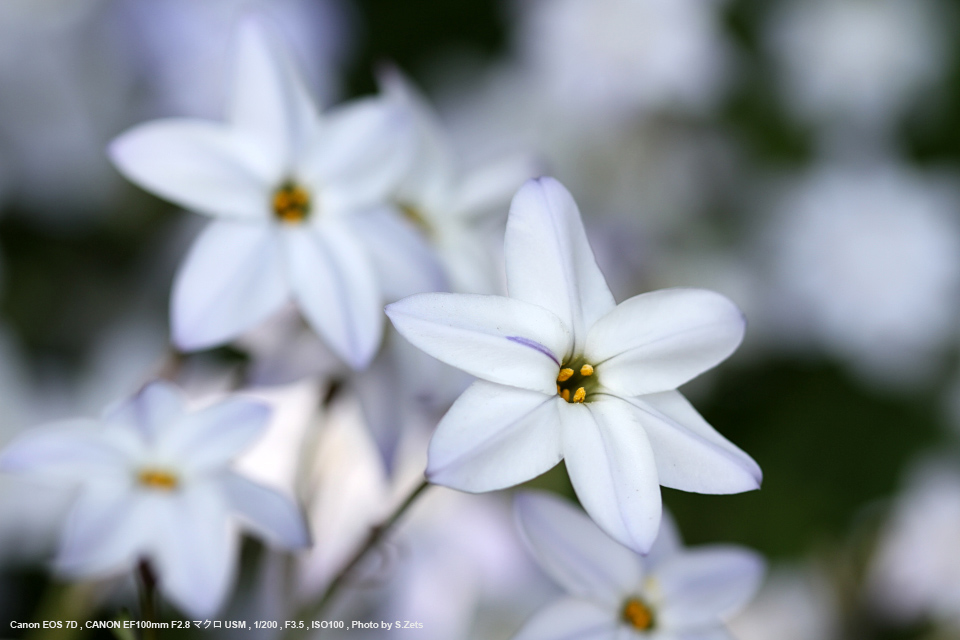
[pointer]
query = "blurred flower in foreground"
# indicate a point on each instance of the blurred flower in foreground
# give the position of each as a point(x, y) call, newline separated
point(866, 260)
point(599, 58)
point(296, 197)
point(567, 374)
point(671, 594)
point(862, 62)
point(155, 484)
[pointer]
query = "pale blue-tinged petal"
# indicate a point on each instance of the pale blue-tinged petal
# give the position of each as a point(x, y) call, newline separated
point(268, 512)
point(572, 619)
point(491, 186)
point(212, 437)
point(232, 279)
point(498, 339)
point(336, 288)
point(360, 155)
point(269, 98)
point(194, 549)
point(548, 259)
point(71, 450)
point(713, 633)
point(154, 408)
point(612, 469)
point(405, 262)
point(667, 544)
point(657, 341)
point(202, 166)
point(690, 454)
point(703, 586)
point(494, 437)
point(573, 550)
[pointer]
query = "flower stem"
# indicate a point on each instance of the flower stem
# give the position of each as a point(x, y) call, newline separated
point(147, 583)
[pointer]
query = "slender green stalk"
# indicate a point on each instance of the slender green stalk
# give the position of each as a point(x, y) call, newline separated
point(147, 585)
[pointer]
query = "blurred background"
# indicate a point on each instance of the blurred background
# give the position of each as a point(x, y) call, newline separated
point(800, 156)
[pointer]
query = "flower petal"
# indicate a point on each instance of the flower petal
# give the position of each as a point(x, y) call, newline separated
point(716, 633)
point(157, 406)
point(704, 586)
point(269, 98)
point(201, 166)
point(336, 287)
point(690, 454)
point(571, 619)
point(657, 341)
point(68, 450)
point(268, 512)
point(495, 436)
point(574, 551)
point(667, 544)
point(489, 187)
point(212, 437)
point(498, 339)
point(231, 280)
point(613, 471)
point(549, 261)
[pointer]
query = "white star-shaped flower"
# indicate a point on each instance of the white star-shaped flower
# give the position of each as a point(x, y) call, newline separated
point(614, 594)
point(155, 484)
point(296, 197)
point(565, 373)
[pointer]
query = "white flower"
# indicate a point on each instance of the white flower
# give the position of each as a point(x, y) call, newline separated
point(155, 483)
point(567, 374)
point(614, 594)
point(295, 197)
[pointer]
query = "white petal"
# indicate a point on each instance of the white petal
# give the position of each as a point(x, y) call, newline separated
point(269, 98)
point(667, 544)
point(69, 450)
point(195, 551)
point(201, 166)
point(270, 513)
point(157, 406)
point(548, 259)
point(495, 338)
point(493, 437)
point(690, 454)
point(491, 186)
point(574, 551)
point(336, 287)
point(613, 470)
point(707, 585)
point(657, 341)
point(715, 633)
point(214, 436)
point(232, 280)
point(405, 262)
point(360, 155)
point(571, 619)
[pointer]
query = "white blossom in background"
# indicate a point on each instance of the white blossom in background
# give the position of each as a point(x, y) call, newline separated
point(154, 483)
point(566, 374)
point(297, 199)
point(602, 58)
point(866, 263)
point(613, 593)
point(858, 62)
point(915, 573)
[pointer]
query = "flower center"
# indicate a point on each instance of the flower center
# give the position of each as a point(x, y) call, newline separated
point(414, 214)
point(291, 203)
point(158, 479)
point(637, 614)
point(575, 381)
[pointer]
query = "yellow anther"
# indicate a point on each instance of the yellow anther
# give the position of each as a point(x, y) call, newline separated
point(158, 479)
point(580, 395)
point(565, 374)
point(565, 394)
point(637, 614)
point(291, 203)
point(586, 370)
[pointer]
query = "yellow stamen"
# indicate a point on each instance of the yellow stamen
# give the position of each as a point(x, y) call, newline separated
point(586, 370)
point(565, 374)
point(158, 479)
point(291, 203)
point(637, 614)
point(565, 394)
point(580, 395)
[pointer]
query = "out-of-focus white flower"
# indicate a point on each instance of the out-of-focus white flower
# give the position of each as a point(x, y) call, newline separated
point(154, 483)
point(793, 604)
point(602, 58)
point(456, 210)
point(565, 373)
point(296, 198)
point(862, 61)
point(916, 570)
point(671, 594)
point(867, 262)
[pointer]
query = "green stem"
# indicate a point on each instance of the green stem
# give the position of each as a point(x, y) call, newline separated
point(147, 583)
